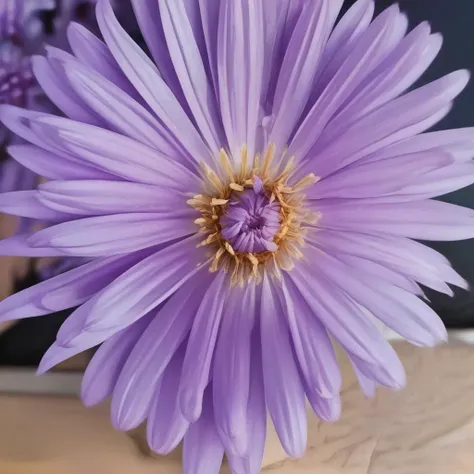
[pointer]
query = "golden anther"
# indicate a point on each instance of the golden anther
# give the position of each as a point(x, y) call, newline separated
point(219, 202)
point(229, 248)
point(236, 187)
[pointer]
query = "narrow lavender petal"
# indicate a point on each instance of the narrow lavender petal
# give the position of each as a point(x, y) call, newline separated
point(89, 325)
point(200, 348)
point(380, 177)
point(209, 15)
point(280, 21)
point(368, 386)
point(67, 290)
point(389, 275)
point(399, 119)
point(384, 374)
point(153, 352)
point(148, 16)
point(341, 316)
point(52, 166)
point(405, 256)
point(405, 313)
point(18, 246)
point(393, 76)
point(240, 66)
point(91, 51)
point(313, 348)
point(146, 285)
point(115, 153)
point(190, 69)
point(341, 42)
point(50, 75)
point(121, 112)
point(302, 58)
point(436, 183)
point(232, 368)
point(146, 79)
point(424, 220)
point(128, 416)
point(353, 70)
point(96, 197)
point(202, 449)
point(166, 426)
point(27, 204)
point(256, 416)
point(327, 409)
point(104, 369)
point(284, 392)
point(114, 234)
point(459, 143)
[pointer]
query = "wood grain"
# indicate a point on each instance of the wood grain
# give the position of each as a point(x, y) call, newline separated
point(426, 429)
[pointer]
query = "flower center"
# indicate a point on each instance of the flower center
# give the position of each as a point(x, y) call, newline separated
point(253, 217)
point(250, 221)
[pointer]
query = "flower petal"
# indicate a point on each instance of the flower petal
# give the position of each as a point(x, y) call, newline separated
point(232, 368)
point(341, 316)
point(459, 143)
point(200, 348)
point(362, 60)
point(240, 69)
point(146, 79)
point(147, 13)
point(114, 234)
point(66, 290)
point(51, 77)
point(424, 220)
point(166, 425)
point(18, 246)
point(301, 60)
point(284, 392)
point(405, 313)
point(314, 351)
point(341, 43)
point(91, 51)
point(27, 204)
point(49, 165)
point(104, 369)
point(115, 153)
point(96, 197)
point(401, 118)
point(256, 416)
point(124, 114)
point(202, 449)
point(153, 352)
point(190, 69)
point(380, 177)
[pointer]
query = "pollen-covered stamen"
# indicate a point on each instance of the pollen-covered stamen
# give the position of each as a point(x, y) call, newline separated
point(253, 214)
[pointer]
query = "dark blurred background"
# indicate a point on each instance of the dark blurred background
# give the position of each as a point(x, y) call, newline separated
point(25, 343)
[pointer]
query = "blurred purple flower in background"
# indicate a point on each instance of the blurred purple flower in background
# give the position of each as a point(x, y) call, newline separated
point(20, 21)
point(247, 194)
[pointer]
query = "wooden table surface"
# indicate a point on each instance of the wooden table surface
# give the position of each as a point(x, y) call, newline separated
point(426, 429)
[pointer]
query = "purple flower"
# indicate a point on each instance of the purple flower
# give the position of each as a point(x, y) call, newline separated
point(19, 19)
point(17, 87)
point(252, 191)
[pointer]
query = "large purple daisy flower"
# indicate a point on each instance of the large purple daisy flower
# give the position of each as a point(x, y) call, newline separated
point(246, 197)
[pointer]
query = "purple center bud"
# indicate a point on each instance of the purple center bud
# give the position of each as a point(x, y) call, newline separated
point(250, 221)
